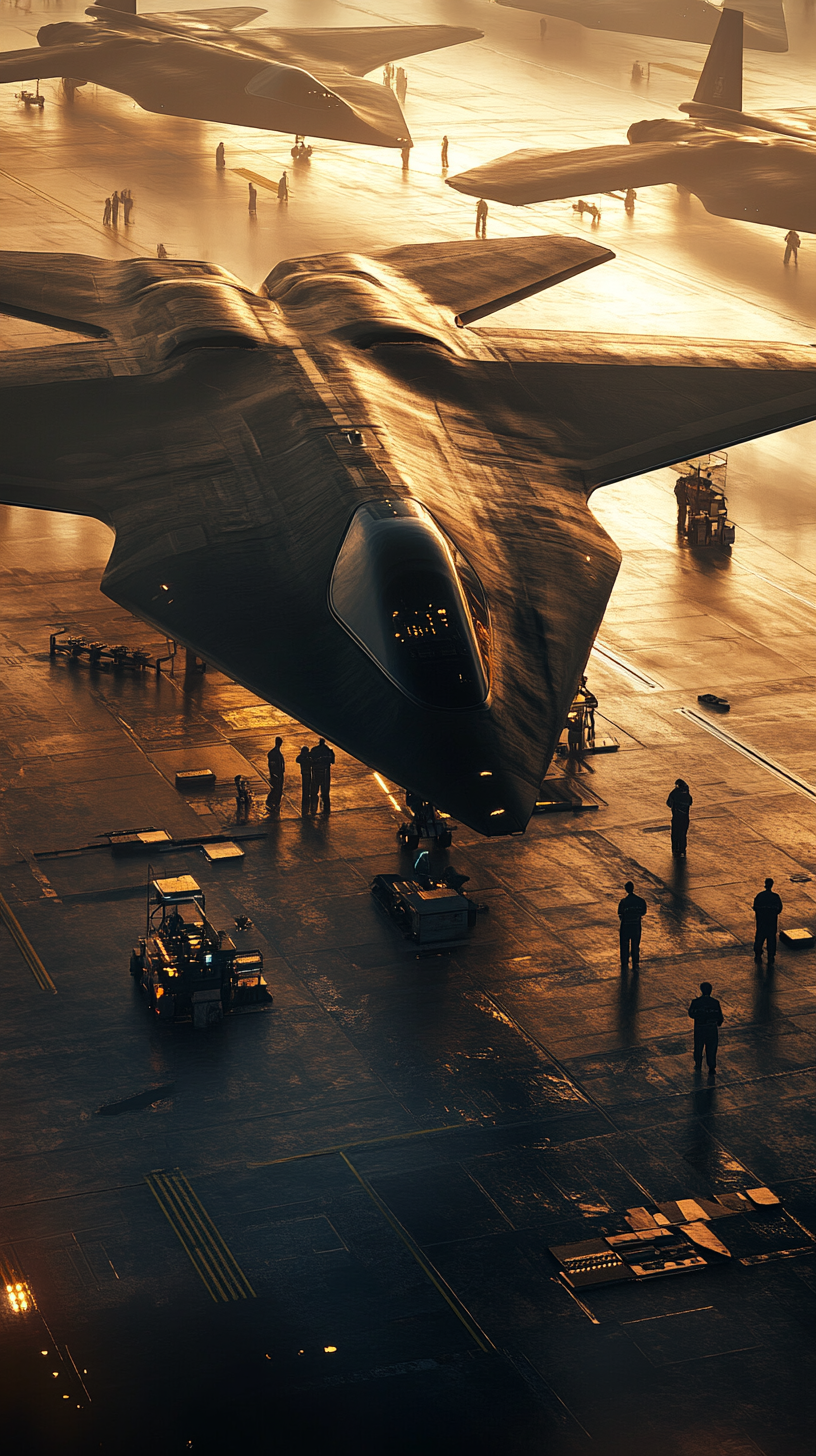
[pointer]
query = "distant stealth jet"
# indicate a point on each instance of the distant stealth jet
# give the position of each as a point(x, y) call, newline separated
point(192, 63)
point(753, 168)
point(369, 516)
point(694, 20)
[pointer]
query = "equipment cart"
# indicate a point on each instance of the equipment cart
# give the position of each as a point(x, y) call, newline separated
point(426, 822)
point(188, 970)
point(702, 506)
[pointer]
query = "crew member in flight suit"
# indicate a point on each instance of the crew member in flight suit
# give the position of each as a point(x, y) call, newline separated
point(481, 218)
point(631, 910)
point(304, 759)
point(322, 758)
point(277, 771)
point(680, 802)
point(706, 1013)
point(767, 909)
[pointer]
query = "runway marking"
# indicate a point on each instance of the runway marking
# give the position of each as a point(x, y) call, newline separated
point(212, 1260)
point(110, 233)
point(25, 947)
point(363, 1143)
point(478, 1335)
point(640, 679)
point(762, 760)
point(775, 584)
point(255, 177)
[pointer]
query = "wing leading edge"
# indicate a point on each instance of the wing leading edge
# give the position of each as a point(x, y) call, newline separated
point(622, 405)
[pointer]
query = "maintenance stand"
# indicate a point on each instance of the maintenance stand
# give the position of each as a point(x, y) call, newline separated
point(188, 970)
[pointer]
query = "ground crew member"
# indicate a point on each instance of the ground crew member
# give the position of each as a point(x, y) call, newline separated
point(304, 759)
point(127, 203)
point(253, 201)
point(277, 771)
point(680, 802)
point(681, 496)
point(793, 242)
point(220, 156)
point(161, 251)
point(322, 758)
point(481, 218)
point(115, 209)
point(283, 189)
point(106, 215)
point(631, 910)
point(243, 800)
point(767, 909)
point(706, 1013)
point(444, 151)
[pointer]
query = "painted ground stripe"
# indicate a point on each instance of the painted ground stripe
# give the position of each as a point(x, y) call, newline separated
point(478, 1335)
point(209, 1254)
point(756, 756)
point(25, 947)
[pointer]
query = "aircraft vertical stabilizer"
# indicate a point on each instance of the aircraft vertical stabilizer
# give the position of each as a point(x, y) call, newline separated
point(720, 83)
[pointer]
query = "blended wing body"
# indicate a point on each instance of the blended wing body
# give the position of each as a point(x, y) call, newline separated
point(200, 64)
point(685, 20)
point(759, 169)
point(368, 515)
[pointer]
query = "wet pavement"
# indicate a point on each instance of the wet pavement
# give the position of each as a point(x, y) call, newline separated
point(377, 1166)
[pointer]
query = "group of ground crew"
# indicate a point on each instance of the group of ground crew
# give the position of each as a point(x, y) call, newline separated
point(315, 766)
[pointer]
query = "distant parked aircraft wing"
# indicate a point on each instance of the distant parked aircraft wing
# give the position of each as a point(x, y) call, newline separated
point(37, 62)
point(621, 405)
point(533, 175)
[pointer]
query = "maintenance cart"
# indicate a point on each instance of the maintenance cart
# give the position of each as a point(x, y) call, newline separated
point(188, 970)
point(702, 506)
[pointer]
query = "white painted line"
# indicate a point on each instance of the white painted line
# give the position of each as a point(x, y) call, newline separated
point(762, 760)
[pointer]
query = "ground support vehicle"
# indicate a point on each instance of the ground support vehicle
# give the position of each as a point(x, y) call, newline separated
point(188, 970)
point(702, 506)
point(434, 914)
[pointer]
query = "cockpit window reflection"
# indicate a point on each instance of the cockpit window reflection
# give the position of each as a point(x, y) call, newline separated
point(414, 604)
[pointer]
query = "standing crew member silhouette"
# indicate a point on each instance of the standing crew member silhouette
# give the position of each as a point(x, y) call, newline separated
point(253, 201)
point(106, 215)
point(767, 909)
point(304, 759)
point(444, 151)
point(631, 910)
point(283, 189)
point(481, 218)
point(322, 759)
point(277, 771)
point(115, 208)
point(161, 251)
point(127, 204)
point(706, 1013)
point(680, 802)
point(681, 496)
point(793, 242)
point(220, 156)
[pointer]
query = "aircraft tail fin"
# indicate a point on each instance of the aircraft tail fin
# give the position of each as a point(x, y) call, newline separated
point(720, 83)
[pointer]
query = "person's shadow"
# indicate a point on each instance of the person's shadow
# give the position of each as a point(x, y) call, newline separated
point(628, 1006)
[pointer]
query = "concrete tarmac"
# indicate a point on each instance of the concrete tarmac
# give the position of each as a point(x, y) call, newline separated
point(390, 1152)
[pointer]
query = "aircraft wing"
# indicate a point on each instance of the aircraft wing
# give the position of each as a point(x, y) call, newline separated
point(620, 405)
point(364, 48)
point(475, 279)
point(36, 62)
point(541, 176)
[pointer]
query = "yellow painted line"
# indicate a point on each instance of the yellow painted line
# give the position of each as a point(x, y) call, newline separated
point(207, 1251)
point(255, 177)
point(25, 947)
point(478, 1336)
point(394, 1137)
point(109, 232)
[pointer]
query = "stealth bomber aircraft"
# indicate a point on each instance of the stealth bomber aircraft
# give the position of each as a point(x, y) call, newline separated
point(755, 168)
point(195, 63)
point(354, 504)
point(686, 20)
